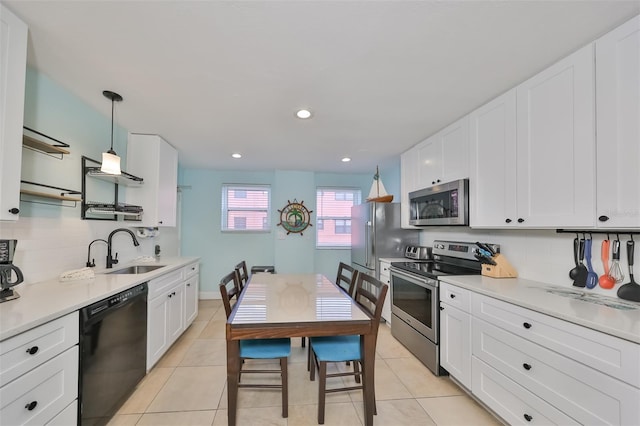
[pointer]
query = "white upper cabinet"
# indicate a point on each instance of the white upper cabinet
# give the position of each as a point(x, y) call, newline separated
point(409, 181)
point(153, 159)
point(13, 63)
point(618, 127)
point(492, 166)
point(444, 156)
point(556, 144)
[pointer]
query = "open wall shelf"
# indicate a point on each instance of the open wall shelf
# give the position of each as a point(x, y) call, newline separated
point(40, 142)
point(54, 198)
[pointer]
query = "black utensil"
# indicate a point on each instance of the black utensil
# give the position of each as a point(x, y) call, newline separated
point(581, 277)
point(486, 247)
point(630, 290)
point(573, 273)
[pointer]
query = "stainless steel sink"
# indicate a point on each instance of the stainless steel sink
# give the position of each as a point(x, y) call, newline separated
point(138, 269)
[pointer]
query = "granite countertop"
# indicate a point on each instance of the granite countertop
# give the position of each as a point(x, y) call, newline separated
point(613, 316)
point(44, 301)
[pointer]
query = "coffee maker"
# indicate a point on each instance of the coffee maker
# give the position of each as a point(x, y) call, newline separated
point(7, 269)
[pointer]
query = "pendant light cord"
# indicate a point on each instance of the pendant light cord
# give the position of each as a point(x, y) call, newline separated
point(112, 108)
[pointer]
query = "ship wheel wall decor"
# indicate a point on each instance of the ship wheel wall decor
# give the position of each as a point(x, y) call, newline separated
point(295, 217)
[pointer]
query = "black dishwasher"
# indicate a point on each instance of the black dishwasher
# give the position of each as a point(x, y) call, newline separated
point(113, 353)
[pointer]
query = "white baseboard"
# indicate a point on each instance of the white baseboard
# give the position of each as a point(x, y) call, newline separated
point(205, 295)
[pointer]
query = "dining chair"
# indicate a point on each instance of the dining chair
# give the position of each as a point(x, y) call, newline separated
point(279, 349)
point(369, 295)
point(243, 275)
point(346, 279)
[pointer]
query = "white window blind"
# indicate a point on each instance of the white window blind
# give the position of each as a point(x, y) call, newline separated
point(246, 207)
point(333, 216)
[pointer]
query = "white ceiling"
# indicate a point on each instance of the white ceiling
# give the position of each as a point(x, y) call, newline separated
point(217, 77)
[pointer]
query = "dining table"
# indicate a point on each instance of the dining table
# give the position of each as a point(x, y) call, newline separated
point(297, 305)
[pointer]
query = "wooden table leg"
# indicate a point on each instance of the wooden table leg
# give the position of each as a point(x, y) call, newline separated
point(233, 369)
point(369, 351)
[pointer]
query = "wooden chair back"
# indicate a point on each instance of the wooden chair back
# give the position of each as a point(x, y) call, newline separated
point(370, 294)
point(347, 277)
point(229, 288)
point(243, 275)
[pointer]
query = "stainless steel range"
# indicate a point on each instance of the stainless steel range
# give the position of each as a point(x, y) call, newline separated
point(415, 296)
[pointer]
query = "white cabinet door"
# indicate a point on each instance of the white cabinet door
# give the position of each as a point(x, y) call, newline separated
point(492, 183)
point(157, 340)
point(409, 181)
point(556, 144)
point(386, 279)
point(156, 161)
point(191, 299)
point(13, 63)
point(430, 158)
point(618, 126)
point(455, 150)
point(176, 309)
point(455, 343)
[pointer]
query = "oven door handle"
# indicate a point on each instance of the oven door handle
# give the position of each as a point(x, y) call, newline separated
point(422, 281)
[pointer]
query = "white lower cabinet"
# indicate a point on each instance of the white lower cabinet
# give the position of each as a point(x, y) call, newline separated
point(66, 417)
point(531, 368)
point(40, 374)
point(511, 401)
point(385, 277)
point(172, 307)
point(455, 333)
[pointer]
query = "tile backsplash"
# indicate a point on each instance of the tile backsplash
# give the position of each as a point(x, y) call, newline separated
point(49, 246)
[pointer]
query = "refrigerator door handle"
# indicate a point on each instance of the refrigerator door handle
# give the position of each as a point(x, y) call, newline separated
point(368, 243)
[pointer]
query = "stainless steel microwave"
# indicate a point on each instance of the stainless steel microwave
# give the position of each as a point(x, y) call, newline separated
point(443, 204)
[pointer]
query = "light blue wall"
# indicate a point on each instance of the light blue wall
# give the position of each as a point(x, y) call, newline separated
point(219, 252)
point(53, 110)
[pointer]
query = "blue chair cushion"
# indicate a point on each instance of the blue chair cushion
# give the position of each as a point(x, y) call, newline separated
point(336, 348)
point(265, 348)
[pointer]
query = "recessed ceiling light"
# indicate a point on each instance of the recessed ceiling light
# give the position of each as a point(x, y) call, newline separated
point(236, 155)
point(346, 159)
point(303, 113)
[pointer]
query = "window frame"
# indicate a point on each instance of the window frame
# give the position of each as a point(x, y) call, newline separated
point(342, 194)
point(231, 188)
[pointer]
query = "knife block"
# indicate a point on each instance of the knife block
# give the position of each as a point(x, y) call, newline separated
point(502, 268)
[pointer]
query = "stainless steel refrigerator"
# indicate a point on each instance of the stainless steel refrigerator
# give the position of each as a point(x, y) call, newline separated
point(376, 233)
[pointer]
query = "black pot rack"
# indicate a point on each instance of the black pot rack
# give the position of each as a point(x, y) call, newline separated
point(608, 232)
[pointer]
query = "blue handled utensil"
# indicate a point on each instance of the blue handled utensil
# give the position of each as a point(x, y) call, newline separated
point(592, 277)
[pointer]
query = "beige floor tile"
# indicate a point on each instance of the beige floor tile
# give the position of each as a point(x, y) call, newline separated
point(419, 379)
point(205, 314)
point(457, 411)
point(124, 420)
point(220, 315)
point(209, 303)
point(206, 352)
point(388, 347)
point(303, 391)
point(388, 385)
point(215, 329)
point(191, 389)
point(194, 330)
point(182, 418)
point(337, 414)
point(175, 353)
point(401, 412)
point(266, 416)
point(146, 391)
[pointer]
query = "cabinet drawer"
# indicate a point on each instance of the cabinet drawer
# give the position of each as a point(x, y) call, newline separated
point(511, 401)
point(158, 286)
point(67, 417)
point(587, 395)
point(45, 341)
point(47, 390)
point(616, 357)
point(455, 296)
point(191, 270)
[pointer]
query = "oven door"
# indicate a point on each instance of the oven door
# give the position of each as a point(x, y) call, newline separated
point(414, 299)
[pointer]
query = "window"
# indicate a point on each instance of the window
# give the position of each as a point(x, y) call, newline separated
point(333, 216)
point(343, 226)
point(246, 207)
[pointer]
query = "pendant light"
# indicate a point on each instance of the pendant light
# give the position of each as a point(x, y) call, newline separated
point(110, 160)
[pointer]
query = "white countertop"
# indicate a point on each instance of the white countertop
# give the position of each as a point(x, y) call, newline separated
point(394, 259)
point(545, 298)
point(47, 300)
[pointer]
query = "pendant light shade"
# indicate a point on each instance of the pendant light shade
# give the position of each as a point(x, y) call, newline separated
point(110, 160)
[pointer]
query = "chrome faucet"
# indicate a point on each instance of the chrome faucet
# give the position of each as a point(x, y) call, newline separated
point(110, 260)
point(92, 262)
